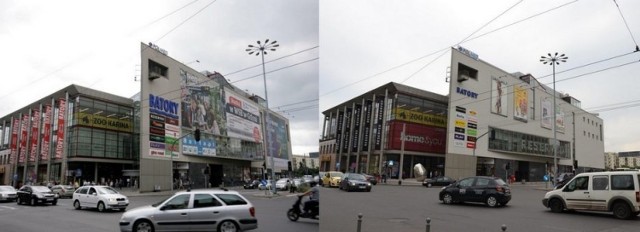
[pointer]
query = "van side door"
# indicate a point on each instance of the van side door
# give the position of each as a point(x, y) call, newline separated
point(600, 193)
point(576, 193)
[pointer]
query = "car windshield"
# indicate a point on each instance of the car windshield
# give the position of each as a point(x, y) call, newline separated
point(107, 190)
point(500, 182)
point(162, 201)
point(41, 189)
point(68, 187)
point(7, 189)
point(356, 177)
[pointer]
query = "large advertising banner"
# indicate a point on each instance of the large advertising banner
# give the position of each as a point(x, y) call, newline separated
point(46, 133)
point(62, 106)
point(339, 132)
point(243, 118)
point(366, 130)
point(163, 127)
point(417, 137)
point(356, 128)
point(547, 112)
point(278, 140)
point(23, 138)
point(15, 128)
point(559, 120)
point(420, 118)
point(202, 104)
point(377, 131)
point(521, 103)
point(498, 97)
point(35, 121)
point(347, 130)
point(103, 122)
point(205, 147)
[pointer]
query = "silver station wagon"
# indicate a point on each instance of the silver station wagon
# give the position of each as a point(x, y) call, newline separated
point(196, 210)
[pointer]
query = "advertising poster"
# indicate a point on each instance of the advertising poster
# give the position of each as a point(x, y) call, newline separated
point(171, 136)
point(367, 124)
point(420, 118)
point(35, 119)
point(23, 138)
point(339, 131)
point(559, 120)
point(379, 113)
point(521, 103)
point(356, 127)
point(418, 137)
point(460, 127)
point(15, 128)
point(46, 133)
point(205, 147)
point(62, 106)
point(547, 114)
point(98, 121)
point(243, 118)
point(202, 104)
point(347, 130)
point(278, 140)
point(498, 97)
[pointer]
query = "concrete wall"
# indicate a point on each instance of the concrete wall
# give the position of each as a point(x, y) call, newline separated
point(155, 172)
point(460, 166)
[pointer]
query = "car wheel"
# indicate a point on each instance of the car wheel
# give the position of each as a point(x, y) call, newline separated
point(227, 226)
point(101, 206)
point(143, 226)
point(447, 198)
point(76, 204)
point(55, 202)
point(492, 201)
point(429, 185)
point(621, 210)
point(556, 205)
point(293, 215)
point(19, 201)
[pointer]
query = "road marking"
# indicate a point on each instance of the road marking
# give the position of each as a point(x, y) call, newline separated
point(8, 207)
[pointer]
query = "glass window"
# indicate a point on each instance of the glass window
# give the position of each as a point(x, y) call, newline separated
point(582, 183)
point(622, 182)
point(466, 182)
point(600, 183)
point(205, 200)
point(178, 202)
point(482, 182)
point(231, 199)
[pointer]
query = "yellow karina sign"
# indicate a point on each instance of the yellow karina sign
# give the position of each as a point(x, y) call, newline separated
point(98, 121)
point(420, 118)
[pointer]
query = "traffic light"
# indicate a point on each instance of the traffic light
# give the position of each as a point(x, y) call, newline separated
point(289, 163)
point(575, 164)
point(196, 134)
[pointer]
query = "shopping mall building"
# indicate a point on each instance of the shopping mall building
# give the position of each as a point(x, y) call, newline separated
point(495, 123)
point(147, 140)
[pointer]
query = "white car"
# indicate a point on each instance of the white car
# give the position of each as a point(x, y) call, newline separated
point(100, 197)
point(282, 184)
point(196, 210)
point(8, 193)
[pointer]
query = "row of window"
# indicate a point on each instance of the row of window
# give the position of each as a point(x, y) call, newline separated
point(618, 182)
point(88, 142)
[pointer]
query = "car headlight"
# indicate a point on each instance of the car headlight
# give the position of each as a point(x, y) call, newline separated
point(368, 184)
point(39, 195)
point(352, 184)
point(113, 200)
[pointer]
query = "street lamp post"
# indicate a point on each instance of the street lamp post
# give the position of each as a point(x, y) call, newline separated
point(261, 49)
point(554, 60)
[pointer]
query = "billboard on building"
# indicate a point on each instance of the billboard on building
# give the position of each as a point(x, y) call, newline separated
point(339, 132)
point(46, 133)
point(547, 113)
point(15, 128)
point(202, 104)
point(23, 138)
point(417, 137)
point(377, 130)
point(62, 109)
point(521, 103)
point(243, 118)
point(356, 127)
point(420, 117)
point(498, 96)
point(278, 140)
point(35, 121)
point(366, 130)
point(103, 122)
point(347, 130)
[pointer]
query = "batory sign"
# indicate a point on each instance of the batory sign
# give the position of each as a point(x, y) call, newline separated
point(163, 106)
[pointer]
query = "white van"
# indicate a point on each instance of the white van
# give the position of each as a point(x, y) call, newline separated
point(616, 191)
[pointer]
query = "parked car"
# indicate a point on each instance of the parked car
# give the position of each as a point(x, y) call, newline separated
point(492, 191)
point(252, 184)
point(207, 209)
point(332, 179)
point(283, 184)
point(370, 178)
point(563, 178)
point(438, 181)
point(355, 182)
point(320, 176)
point(100, 197)
point(265, 184)
point(617, 192)
point(33, 195)
point(63, 190)
point(8, 193)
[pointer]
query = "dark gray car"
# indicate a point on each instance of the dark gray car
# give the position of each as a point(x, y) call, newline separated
point(355, 182)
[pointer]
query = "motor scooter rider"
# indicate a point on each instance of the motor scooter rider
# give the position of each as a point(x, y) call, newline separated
point(314, 199)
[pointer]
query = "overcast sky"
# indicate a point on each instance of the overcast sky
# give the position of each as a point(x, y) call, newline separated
point(363, 42)
point(48, 45)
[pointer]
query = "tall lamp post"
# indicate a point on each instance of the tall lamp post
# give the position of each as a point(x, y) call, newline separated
point(554, 60)
point(261, 49)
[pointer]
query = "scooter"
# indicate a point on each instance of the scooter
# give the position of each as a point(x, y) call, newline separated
point(296, 211)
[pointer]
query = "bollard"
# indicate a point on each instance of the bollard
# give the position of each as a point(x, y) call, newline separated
point(359, 222)
point(504, 227)
point(428, 224)
point(399, 181)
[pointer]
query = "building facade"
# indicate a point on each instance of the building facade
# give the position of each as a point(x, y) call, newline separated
point(386, 131)
point(73, 135)
point(302, 161)
point(501, 124)
point(176, 100)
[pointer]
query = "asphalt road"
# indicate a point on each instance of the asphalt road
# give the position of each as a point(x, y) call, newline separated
point(406, 208)
point(271, 214)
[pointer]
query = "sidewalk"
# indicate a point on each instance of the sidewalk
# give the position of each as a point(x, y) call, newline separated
point(543, 186)
point(134, 192)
